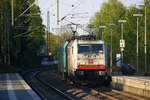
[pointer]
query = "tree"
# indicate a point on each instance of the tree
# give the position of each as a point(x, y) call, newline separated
point(111, 12)
point(24, 47)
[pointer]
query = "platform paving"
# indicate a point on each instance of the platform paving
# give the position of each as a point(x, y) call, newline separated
point(13, 87)
point(139, 85)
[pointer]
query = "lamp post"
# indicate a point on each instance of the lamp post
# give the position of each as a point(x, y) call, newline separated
point(48, 31)
point(12, 13)
point(146, 3)
point(137, 41)
point(111, 46)
point(145, 44)
point(122, 41)
point(102, 27)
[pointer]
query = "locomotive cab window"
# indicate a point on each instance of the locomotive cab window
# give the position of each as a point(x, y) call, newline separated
point(90, 48)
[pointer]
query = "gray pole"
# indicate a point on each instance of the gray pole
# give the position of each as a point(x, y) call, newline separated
point(12, 12)
point(111, 51)
point(137, 41)
point(122, 39)
point(137, 47)
point(122, 31)
point(4, 28)
point(8, 40)
point(102, 33)
point(122, 57)
point(57, 12)
point(12, 30)
point(145, 44)
point(102, 30)
point(48, 32)
point(6, 33)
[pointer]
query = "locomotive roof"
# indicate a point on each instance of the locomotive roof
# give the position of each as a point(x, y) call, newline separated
point(84, 37)
point(90, 42)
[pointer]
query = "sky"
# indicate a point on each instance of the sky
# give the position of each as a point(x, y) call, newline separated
point(83, 10)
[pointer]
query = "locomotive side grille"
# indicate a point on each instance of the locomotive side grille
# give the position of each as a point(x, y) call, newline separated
point(90, 73)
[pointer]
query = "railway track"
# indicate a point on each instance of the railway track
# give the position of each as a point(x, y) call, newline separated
point(117, 95)
point(72, 92)
point(44, 90)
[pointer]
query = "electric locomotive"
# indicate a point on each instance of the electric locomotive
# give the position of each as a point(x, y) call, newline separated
point(84, 60)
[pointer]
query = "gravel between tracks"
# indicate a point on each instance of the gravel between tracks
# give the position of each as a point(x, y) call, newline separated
point(70, 89)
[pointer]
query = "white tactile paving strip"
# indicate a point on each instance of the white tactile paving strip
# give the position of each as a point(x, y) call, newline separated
point(141, 78)
point(10, 89)
point(13, 87)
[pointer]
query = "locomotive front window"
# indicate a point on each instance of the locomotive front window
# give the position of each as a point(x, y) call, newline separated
point(83, 48)
point(90, 48)
point(97, 48)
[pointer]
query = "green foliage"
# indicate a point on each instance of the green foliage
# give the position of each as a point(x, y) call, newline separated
point(23, 49)
point(111, 12)
point(56, 40)
point(54, 43)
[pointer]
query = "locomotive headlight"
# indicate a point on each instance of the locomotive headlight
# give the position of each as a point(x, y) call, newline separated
point(101, 52)
point(101, 72)
point(80, 72)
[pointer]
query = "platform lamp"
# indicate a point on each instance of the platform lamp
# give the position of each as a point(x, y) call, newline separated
point(111, 25)
point(137, 40)
point(145, 5)
point(101, 29)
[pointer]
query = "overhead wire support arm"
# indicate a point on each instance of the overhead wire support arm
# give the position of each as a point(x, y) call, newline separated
point(69, 13)
point(25, 33)
point(25, 11)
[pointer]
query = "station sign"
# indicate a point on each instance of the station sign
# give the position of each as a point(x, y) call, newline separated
point(118, 60)
point(122, 43)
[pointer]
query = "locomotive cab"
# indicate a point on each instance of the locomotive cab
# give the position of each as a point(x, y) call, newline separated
point(91, 62)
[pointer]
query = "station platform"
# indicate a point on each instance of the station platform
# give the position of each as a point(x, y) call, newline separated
point(13, 87)
point(139, 85)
